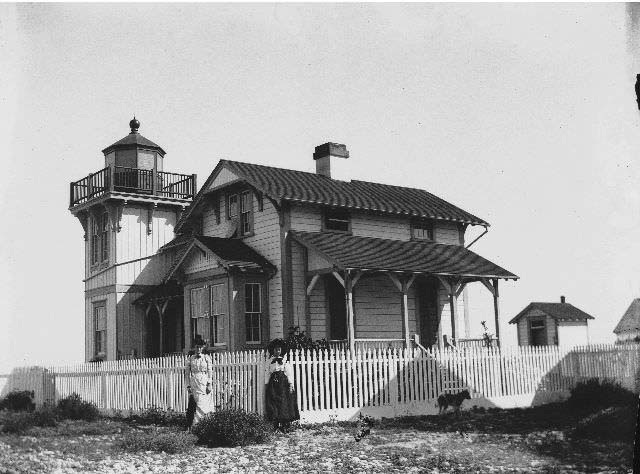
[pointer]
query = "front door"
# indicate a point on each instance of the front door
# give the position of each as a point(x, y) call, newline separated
point(428, 310)
point(337, 309)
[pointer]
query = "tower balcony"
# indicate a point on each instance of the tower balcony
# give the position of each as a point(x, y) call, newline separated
point(140, 182)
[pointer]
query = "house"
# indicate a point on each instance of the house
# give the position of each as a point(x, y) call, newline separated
point(260, 249)
point(628, 328)
point(547, 324)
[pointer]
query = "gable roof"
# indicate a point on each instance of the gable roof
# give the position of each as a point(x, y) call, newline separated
point(281, 184)
point(230, 253)
point(417, 256)
point(564, 311)
point(630, 321)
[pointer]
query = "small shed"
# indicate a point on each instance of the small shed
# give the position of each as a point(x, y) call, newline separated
point(547, 324)
point(628, 328)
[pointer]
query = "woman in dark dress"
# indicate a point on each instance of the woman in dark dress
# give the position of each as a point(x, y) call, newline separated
point(281, 404)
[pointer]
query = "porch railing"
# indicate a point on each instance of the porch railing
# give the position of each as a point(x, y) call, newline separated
point(364, 344)
point(132, 180)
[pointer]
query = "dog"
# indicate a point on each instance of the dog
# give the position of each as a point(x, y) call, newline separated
point(453, 400)
point(363, 428)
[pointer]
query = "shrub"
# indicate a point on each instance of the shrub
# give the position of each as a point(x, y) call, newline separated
point(15, 422)
point(158, 416)
point(75, 408)
point(611, 424)
point(18, 400)
point(231, 427)
point(594, 393)
point(297, 339)
point(169, 441)
point(45, 416)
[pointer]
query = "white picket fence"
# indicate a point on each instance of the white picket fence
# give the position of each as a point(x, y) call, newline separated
point(338, 385)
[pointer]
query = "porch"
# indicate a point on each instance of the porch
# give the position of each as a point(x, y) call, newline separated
point(381, 292)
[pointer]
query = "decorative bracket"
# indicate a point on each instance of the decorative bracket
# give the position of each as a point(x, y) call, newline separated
point(83, 217)
point(150, 213)
point(115, 214)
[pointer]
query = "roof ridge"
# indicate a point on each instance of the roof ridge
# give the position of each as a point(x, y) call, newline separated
point(311, 173)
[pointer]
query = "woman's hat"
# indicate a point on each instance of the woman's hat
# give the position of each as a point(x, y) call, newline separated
point(198, 341)
point(278, 343)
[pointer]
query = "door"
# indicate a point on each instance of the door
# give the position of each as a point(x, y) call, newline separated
point(537, 332)
point(428, 307)
point(337, 309)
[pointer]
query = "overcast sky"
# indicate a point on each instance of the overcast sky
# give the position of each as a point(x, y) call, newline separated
point(523, 115)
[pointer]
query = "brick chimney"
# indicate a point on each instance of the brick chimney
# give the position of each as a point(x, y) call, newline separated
point(562, 299)
point(323, 155)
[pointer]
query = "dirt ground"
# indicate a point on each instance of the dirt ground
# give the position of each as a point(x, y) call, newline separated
point(535, 441)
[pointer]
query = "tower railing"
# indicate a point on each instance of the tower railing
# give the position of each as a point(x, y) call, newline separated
point(123, 179)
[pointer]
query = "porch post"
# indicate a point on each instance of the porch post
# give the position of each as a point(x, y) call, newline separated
point(453, 305)
point(348, 288)
point(496, 309)
point(405, 315)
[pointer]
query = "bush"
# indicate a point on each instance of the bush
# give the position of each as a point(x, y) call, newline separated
point(593, 394)
point(75, 408)
point(611, 424)
point(18, 400)
point(231, 427)
point(45, 416)
point(169, 442)
point(15, 422)
point(160, 417)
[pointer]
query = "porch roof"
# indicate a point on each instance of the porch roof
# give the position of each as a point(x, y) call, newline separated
point(367, 253)
point(164, 291)
point(229, 253)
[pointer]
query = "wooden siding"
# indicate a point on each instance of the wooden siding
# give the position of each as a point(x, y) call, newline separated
point(446, 233)
point(224, 177)
point(318, 310)
point(306, 218)
point(265, 240)
point(444, 311)
point(134, 242)
point(380, 226)
point(378, 308)
point(198, 261)
point(573, 333)
point(130, 325)
point(105, 278)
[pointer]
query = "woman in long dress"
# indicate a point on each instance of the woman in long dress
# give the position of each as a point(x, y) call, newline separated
point(281, 403)
point(199, 374)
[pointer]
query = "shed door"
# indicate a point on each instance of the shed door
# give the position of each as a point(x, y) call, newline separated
point(537, 332)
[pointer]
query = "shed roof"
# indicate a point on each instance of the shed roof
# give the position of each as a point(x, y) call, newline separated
point(630, 320)
point(415, 256)
point(564, 311)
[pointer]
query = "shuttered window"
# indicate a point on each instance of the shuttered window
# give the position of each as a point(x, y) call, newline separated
point(246, 213)
point(422, 230)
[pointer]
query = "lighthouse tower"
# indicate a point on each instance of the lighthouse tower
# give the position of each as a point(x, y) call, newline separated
point(128, 210)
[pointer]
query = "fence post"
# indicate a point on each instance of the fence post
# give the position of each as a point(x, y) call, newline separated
point(103, 390)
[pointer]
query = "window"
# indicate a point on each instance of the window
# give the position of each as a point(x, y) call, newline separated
point(100, 329)
point(200, 320)
point(337, 220)
point(218, 314)
point(104, 237)
point(232, 206)
point(100, 238)
point(252, 311)
point(422, 230)
point(538, 332)
point(246, 213)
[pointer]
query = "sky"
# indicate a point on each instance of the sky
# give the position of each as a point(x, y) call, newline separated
point(522, 114)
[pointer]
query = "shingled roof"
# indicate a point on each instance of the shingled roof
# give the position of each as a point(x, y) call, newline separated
point(132, 140)
point(230, 253)
point(281, 184)
point(416, 256)
point(630, 321)
point(563, 311)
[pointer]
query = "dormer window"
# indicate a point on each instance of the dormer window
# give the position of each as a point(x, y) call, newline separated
point(337, 220)
point(422, 230)
point(232, 207)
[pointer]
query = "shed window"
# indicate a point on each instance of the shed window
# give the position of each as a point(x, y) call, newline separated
point(537, 332)
point(99, 329)
point(252, 311)
point(336, 220)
